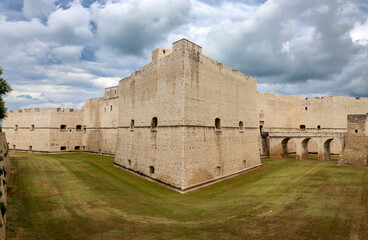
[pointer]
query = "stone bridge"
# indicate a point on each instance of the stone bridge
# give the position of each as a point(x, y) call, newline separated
point(278, 143)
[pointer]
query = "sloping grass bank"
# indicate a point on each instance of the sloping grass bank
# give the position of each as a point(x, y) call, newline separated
point(82, 196)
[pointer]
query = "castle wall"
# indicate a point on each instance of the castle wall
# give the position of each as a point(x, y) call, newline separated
point(39, 129)
point(100, 123)
point(186, 91)
point(4, 180)
point(356, 141)
point(213, 90)
point(156, 91)
point(281, 113)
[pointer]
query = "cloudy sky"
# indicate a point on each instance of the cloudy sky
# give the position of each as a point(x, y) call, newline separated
point(61, 52)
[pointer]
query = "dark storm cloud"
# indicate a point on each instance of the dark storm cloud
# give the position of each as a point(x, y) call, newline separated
point(133, 26)
point(291, 42)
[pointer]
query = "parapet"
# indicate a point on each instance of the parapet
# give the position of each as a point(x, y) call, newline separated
point(111, 92)
point(159, 53)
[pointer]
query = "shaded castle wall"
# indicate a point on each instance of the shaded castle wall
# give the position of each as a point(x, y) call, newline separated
point(4, 180)
point(100, 122)
point(356, 141)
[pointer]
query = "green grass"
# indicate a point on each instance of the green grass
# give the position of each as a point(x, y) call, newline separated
point(82, 196)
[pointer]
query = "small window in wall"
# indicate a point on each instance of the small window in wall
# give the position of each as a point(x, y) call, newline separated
point(110, 107)
point(132, 125)
point(218, 170)
point(356, 130)
point(152, 170)
point(16, 127)
point(319, 127)
point(154, 124)
point(115, 91)
point(302, 127)
point(241, 126)
point(62, 148)
point(13, 146)
point(77, 148)
point(244, 163)
point(104, 109)
point(130, 163)
point(30, 148)
point(306, 108)
point(217, 124)
point(32, 127)
point(62, 127)
point(78, 127)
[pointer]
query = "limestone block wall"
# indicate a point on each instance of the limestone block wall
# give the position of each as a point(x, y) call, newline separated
point(356, 141)
point(4, 179)
point(154, 92)
point(40, 129)
point(281, 113)
point(215, 91)
point(100, 123)
point(183, 92)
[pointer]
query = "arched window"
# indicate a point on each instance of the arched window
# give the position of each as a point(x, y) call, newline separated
point(77, 148)
point(132, 125)
point(302, 127)
point(319, 127)
point(152, 170)
point(62, 148)
point(218, 124)
point(110, 107)
point(154, 124)
point(241, 126)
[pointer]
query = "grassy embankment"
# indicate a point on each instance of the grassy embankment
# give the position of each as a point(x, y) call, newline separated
point(81, 196)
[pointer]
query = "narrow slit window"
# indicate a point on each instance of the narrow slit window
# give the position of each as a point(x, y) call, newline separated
point(16, 127)
point(241, 126)
point(154, 124)
point(110, 107)
point(32, 127)
point(152, 170)
point(132, 125)
point(217, 124)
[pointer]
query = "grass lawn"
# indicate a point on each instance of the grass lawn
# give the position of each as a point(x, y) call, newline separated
point(82, 196)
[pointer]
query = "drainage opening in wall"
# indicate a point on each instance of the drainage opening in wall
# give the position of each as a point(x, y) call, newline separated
point(62, 148)
point(217, 170)
point(152, 170)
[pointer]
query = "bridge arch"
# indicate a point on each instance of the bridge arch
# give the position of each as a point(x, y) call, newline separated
point(302, 149)
point(284, 145)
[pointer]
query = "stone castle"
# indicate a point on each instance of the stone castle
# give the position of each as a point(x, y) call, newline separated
point(184, 120)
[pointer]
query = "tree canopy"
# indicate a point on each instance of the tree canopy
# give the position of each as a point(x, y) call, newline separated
point(4, 89)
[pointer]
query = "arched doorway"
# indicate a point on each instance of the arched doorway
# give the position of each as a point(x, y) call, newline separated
point(285, 150)
point(327, 150)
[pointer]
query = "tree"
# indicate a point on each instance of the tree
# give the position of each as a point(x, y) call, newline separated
point(4, 89)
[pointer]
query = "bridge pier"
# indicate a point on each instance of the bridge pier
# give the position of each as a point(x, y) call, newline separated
point(302, 148)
